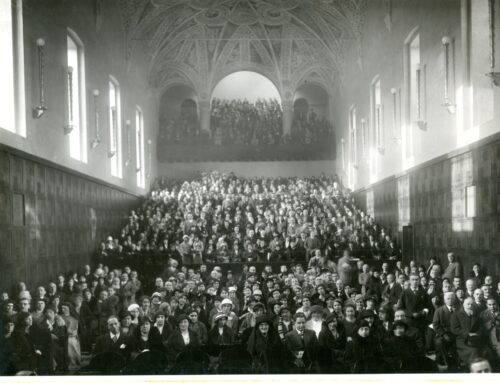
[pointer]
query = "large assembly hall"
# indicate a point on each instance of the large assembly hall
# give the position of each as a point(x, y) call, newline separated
point(212, 187)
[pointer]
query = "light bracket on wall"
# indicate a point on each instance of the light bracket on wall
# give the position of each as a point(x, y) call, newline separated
point(68, 129)
point(450, 106)
point(96, 141)
point(495, 77)
point(41, 108)
point(422, 125)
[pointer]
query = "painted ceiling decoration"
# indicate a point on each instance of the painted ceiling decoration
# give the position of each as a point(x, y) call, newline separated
point(198, 42)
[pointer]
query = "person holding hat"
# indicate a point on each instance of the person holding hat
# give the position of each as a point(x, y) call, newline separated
point(181, 339)
point(265, 347)
point(332, 343)
point(144, 338)
point(302, 346)
point(248, 320)
point(363, 353)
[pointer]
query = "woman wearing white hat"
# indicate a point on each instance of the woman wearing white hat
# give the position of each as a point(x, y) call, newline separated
point(226, 307)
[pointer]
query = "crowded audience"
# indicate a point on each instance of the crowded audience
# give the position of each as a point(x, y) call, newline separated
point(321, 288)
point(240, 122)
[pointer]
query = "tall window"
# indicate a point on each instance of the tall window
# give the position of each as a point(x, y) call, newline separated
point(12, 98)
point(76, 98)
point(413, 90)
point(115, 134)
point(139, 148)
point(377, 115)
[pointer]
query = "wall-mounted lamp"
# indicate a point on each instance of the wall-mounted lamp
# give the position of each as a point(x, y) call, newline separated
point(69, 128)
point(97, 140)
point(129, 150)
point(450, 106)
point(150, 156)
point(395, 126)
point(495, 76)
point(40, 109)
point(420, 80)
point(114, 139)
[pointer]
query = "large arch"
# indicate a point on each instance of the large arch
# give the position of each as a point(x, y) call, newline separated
point(229, 69)
point(245, 84)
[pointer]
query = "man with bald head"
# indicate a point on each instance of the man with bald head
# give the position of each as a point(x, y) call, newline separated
point(465, 324)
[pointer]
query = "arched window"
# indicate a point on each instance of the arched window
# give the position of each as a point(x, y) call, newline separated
point(12, 94)
point(76, 126)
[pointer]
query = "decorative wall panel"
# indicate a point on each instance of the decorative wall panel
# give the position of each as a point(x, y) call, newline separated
point(437, 206)
point(56, 235)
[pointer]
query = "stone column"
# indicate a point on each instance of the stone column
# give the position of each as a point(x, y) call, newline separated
point(204, 115)
point(287, 116)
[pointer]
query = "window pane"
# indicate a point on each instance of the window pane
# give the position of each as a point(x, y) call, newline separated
point(73, 74)
point(7, 109)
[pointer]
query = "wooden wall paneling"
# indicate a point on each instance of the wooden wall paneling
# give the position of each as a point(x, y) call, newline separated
point(40, 180)
point(29, 176)
point(50, 176)
point(16, 171)
point(5, 248)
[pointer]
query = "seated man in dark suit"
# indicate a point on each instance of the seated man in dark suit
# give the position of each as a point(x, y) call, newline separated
point(302, 345)
point(444, 339)
point(113, 340)
point(466, 326)
point(392, 290)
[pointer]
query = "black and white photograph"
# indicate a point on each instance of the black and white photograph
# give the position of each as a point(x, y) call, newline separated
point(255, 190)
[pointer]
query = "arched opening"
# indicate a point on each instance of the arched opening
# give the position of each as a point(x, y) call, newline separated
point(311, 123)
point(300, 108)
point(246, 110)
point(179, 115)
point(316, 97)
point(188, 106)
point(246, 85)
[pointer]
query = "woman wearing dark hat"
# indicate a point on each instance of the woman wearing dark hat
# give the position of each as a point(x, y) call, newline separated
point(332, 342)
point(145, 337)
point(265, 347)
point(23, 340)
point(363, 353)
point(397, 347)
point(182, 338)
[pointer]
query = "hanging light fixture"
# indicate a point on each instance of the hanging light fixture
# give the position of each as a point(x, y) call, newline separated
point(40, 109)
point(495, 76)
point(96, 141)
point(69, 127)
point(450, 106)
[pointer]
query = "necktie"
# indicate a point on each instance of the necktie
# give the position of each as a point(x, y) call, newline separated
point(115, 338)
